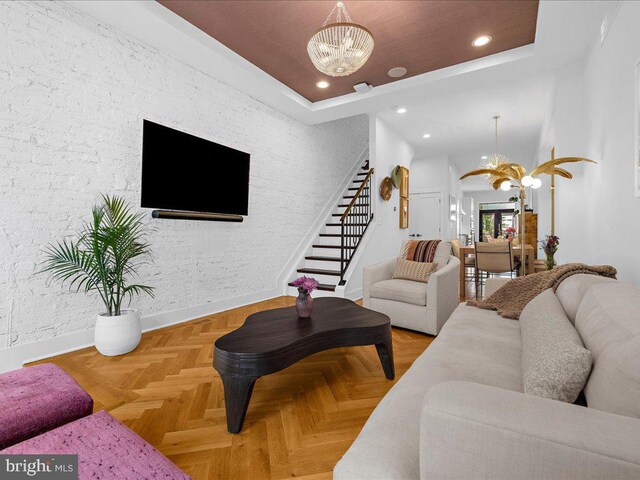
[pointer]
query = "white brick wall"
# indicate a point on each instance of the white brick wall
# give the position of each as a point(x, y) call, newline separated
point(73, 94)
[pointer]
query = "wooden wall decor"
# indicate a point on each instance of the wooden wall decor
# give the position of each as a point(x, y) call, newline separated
point(404, 212)
point(386, 187)
point(404, 197)
point(396, 173)
point(404, 182)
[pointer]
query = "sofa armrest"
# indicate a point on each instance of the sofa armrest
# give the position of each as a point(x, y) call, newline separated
point(470, 430)
point(443, 291)
point(376, 273)
point(493, 284)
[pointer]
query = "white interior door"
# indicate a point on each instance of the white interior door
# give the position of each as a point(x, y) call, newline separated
point(425, 215)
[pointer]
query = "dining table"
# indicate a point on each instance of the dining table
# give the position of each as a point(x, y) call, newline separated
point(471, 250)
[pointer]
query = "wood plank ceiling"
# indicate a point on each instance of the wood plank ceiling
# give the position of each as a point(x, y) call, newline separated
point(420, 36)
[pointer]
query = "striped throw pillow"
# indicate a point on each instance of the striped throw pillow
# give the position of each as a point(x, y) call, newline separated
point(420, 250)
point(416, 271)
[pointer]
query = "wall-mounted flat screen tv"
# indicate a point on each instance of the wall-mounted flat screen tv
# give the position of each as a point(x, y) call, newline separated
point(184, 172)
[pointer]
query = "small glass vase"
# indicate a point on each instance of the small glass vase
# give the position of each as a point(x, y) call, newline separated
point(550, 262)
point(304, 304)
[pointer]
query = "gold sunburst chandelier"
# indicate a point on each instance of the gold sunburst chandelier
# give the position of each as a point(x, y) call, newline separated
point(341, 48)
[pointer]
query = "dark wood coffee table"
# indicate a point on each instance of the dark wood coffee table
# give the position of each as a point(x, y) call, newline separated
point(272, 340)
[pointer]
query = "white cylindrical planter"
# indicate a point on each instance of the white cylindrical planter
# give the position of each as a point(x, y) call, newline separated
point(119, 334)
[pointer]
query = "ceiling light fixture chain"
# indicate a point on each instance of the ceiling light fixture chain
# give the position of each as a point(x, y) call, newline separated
point(342, 10)
point(496, 118)
point(496, 159)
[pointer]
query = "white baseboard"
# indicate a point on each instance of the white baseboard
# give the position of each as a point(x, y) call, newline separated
point(15, 357)
point(354, 294)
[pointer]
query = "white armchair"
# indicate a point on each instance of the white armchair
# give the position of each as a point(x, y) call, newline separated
point(424, 307)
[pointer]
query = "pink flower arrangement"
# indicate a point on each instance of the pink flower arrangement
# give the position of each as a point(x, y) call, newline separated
point(305, 284)
point(510, 232)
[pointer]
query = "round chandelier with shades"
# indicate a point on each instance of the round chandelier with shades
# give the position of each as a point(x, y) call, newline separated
point(341, 48)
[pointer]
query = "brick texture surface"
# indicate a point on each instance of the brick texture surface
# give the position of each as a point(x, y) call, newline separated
point(73, 94)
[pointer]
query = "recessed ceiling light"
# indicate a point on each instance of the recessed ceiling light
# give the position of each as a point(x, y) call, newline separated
point(426, 135)
point(481, 41)
point(323, 84)
point(483, 157)
point(397, 72)
point(401, 110)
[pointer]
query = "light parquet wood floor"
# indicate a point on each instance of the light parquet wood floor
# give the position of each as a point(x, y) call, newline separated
point(300, 420)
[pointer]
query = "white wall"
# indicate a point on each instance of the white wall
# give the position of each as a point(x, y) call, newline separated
point(438, 173)
point(387, 148)
point(597, 212)
point(565, 129)
point(73, 94)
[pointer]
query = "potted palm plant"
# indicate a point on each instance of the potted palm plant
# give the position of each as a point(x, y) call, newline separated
point(108, 251)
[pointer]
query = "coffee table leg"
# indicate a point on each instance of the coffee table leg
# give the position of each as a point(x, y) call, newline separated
point(237, 393)
point(385, 353)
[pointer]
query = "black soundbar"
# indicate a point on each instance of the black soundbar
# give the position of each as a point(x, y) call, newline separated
point(210, 217)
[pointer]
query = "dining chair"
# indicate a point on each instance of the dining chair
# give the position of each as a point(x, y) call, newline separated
point(493, 258)
point(469, 260)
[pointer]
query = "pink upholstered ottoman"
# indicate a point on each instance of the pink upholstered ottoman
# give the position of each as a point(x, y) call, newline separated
point(106, 450)
point(37, 399)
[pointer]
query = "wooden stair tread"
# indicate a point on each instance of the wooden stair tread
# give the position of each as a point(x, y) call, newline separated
point(349, 224)
point(320, 271)
point(322, 286)
point(338, 235)
point(330, 246)
point(352, 196)
point(351, 214)
point(322, 258)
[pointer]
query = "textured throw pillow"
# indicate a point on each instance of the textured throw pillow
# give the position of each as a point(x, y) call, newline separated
point(555, 364)
point(416, 271)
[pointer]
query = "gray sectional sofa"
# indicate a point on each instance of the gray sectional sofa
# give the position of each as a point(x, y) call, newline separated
point(460, 411)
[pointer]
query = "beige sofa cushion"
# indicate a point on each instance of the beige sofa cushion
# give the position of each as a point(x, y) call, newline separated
point(571, 291)
point(555, 365)
point(443, 251)
point(414, 271)
point(405, 291)
point(608, 322)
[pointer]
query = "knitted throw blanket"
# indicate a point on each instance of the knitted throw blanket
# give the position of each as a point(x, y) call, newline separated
point(420, 250)
point(510, 299)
